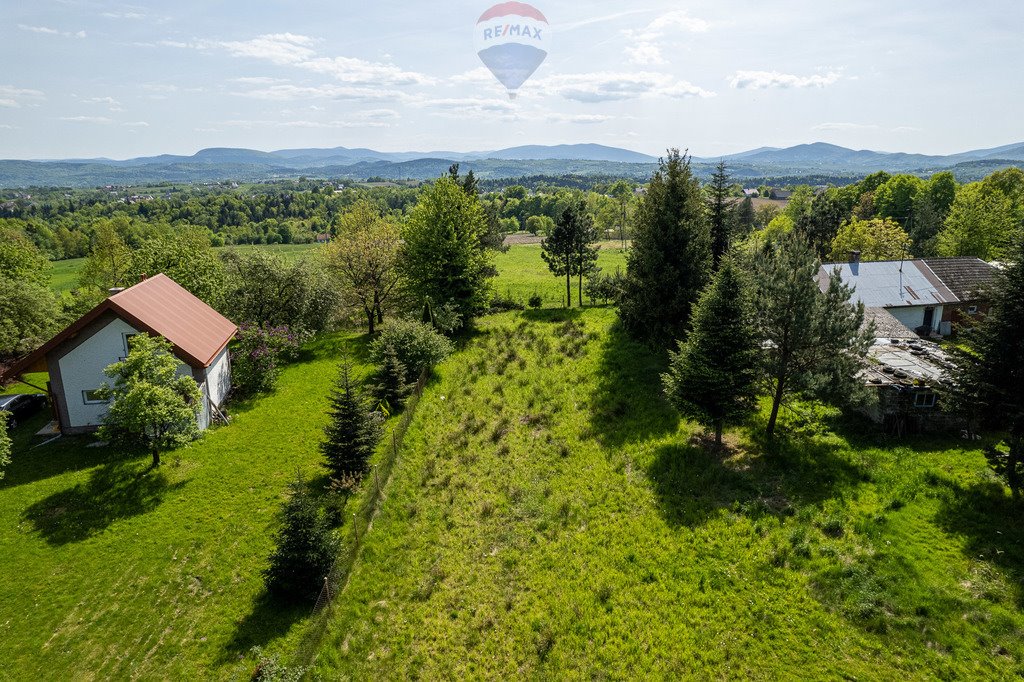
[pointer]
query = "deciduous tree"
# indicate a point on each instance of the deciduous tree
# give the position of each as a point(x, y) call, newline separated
point(570, 250)
point(365, 259)
point(443, 257)
point(876, 239)
point(150, 404)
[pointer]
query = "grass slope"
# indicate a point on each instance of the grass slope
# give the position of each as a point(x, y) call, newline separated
point(551, 517)
point(113, 571)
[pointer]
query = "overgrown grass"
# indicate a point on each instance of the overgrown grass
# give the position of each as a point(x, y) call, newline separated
point(522, 273)
point(551, 517)
point(114, 571)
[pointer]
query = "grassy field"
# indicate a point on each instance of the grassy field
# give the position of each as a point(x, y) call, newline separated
point(112, 571)
point(551, 517)
point(64, 273)
point(522, 273)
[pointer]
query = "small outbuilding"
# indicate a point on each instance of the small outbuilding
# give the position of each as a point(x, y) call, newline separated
point(76, 357)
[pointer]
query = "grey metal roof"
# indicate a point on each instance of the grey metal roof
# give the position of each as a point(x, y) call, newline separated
point(890, 284)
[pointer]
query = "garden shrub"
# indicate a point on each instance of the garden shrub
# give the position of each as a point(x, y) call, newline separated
point(416, 345)
point(258, 355)
point(305, 549)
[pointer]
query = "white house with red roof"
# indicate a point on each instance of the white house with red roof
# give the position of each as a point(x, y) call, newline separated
point(76, 357)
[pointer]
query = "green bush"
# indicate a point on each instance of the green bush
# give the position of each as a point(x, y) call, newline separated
point(416, 345)
point(536, 301)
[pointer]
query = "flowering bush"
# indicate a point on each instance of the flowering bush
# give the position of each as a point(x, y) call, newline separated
point(258, 355)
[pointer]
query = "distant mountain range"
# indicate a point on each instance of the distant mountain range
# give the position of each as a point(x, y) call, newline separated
point(817, 161)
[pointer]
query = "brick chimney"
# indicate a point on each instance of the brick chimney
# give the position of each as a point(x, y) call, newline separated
point(854, 257)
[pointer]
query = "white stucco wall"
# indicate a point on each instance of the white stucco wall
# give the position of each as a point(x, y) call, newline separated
point(218, 378)
point(912, 317)
point(82, 370)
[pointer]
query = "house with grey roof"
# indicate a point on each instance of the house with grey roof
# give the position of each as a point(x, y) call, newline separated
point(926, 296)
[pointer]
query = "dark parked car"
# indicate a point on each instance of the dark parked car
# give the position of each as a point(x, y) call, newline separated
point(21, 406)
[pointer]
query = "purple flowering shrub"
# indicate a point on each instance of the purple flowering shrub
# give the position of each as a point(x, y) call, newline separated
point(258, 354)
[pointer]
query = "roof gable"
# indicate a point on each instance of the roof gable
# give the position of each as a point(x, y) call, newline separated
point(160, 306)
point(166, 308)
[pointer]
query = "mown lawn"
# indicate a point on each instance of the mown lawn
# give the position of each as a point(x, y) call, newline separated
point(522, 273)
point(113, 571)
point(551, 517)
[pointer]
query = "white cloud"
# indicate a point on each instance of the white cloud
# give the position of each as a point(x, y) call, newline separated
point(289, 92)
point(860, 127)
point(14, 98)
point(123, 15)
point(135, 124)
point(258, 80)
point(616, 86)
point(5, 126)
point(579, 119)
point(761, 80)
point(645, 44)
point(476, 107)
point(112, 103)
point(101, 120)
point(46, 30)
point(290, 49)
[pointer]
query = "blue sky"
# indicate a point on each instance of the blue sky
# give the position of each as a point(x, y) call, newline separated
point(84, 78)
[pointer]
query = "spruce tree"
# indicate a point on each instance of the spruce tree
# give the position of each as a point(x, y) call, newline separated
point(670, 259)
point(305, 549)
point(713, 377)
point(720, 211)
point(353, 430)
point(392, 380)
point(989, 379)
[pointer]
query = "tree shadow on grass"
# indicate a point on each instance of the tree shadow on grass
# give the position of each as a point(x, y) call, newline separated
point(268, 620)
point(552, 315)
point(114, 491)
point(628, 404)
point(30, 463)
point(695, 482)
point(990, 521)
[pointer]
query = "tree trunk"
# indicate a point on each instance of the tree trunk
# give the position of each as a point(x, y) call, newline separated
point(776, 403)
point(156, 458)
point(580, 291)
point(718, 432)
point(1012, 462)
point(370, 319)
point(568, 288)
point(376, 308)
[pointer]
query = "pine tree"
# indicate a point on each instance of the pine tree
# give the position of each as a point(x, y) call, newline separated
point(570, 249)
point(720, 210)
point(713, 376)
point(305, 549)
point(989, 380)
point(814, 342)
point(353, 430)
point(670, 259)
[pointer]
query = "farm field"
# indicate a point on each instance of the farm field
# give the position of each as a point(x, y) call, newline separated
point(552, 517)
point(113, 571)
point(522, 272)
point(64, 273)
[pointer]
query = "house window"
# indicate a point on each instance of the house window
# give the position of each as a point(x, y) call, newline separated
point(127, 342)
point(924, 399)
point(91, 397)
point(972, 310)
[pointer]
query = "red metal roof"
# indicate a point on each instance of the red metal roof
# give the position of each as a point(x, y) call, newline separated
point(163, 306)
point(160, 306)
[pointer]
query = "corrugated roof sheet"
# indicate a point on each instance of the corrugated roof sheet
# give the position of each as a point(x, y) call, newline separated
point(890, 284)
point(887, 326)
point(167, 308)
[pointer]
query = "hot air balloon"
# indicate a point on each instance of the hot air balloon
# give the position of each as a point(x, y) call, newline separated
point(512, 40)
